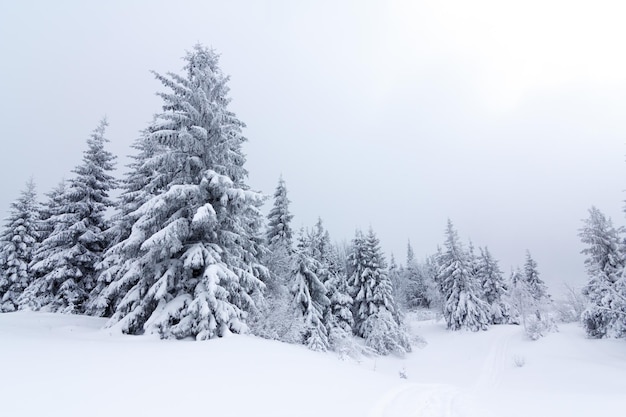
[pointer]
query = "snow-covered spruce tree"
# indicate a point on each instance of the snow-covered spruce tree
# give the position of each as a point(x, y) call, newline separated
point(279, 232)
point(190, 266)
point(462, 305)
point(538, 289)
point(518, 297)
point(605, 314)
point(275, 319)
point(340, 322)
point(309, 296)
point(64, 263)
point(375, 315)
point(17, 244)
point(531, 300)
point(416, 286)
point(397, 276)
point(430, 269)
point(52, 206)
point(338, 316)
point(493, 287)
point(140, 183)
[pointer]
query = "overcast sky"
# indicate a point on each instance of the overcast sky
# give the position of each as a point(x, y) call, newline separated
point(506, 117)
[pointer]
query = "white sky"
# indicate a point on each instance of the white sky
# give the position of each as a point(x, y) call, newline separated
point(507, 117)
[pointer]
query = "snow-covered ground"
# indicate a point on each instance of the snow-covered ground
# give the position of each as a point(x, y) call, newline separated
point(60, 365)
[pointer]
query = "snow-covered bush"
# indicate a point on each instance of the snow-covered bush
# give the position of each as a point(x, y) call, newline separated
point(537, 326)
point(570, 307)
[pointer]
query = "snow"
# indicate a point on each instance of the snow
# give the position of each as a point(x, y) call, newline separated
point(69, 365)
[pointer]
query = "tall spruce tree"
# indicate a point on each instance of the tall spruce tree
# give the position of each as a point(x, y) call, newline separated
point(17, 244)
point(537, 288)
point(64, 263)
point(276, 318)
point(309, 295)
point(190, 265)
point(140, 183)
point(338, 316)
point(463, 306)
point(493, 287)
point(279, 232)
point(605, 314)
point(376, 318)
point(279, 239)
point(530, 300)
point(417, 286)
point(49, 208)
point(397, 276)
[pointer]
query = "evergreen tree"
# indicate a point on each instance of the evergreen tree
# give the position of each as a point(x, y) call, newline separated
point(530, 299)
point(142, 181)
point(536, 286)
point(338, 316)
point(17, 243)
point(190, 265)
point(417, 291)
point(276, 317)
point(341, 321)
point(64, 263)
point(606, 310)
point(397, 276)
point(279, 233)
point(493, 286)
point(309, 295)
point(375, 316)
point(463, 307)
point(279, 241)
point(51, 207)
point(519, 296)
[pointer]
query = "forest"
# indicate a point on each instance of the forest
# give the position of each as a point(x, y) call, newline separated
point(185, 251)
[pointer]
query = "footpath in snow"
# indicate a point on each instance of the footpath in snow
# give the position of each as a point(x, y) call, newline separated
point(59, 365)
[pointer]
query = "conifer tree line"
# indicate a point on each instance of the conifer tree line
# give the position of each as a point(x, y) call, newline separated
point(470, 289)
point(187, 252)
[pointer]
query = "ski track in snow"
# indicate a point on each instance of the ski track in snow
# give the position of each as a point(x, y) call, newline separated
point(437, 400)
point(419, 400)
point(496, 360)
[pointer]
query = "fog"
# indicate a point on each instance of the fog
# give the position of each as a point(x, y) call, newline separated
point(390, 115)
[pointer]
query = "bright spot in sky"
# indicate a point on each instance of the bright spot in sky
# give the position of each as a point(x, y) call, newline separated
point(514, 48)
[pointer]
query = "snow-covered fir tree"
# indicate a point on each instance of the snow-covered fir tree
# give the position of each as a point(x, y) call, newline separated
point(605, 314)
point(49, 208)
point(538, 289)
point(518, 296)
point(397, 276)
point(190, 265)
point(309, 296)
point(462, 303)
point(277, 317)
point(530, 300)
point(376, 318)
point(417, 286)
point(340, 322)
point(472, 259)
point(279, 239)
point(64, 263)
point(429, 269)
point(338, 316)
point(17, 244)
point(140, 183)
point(493, 286)
point(279, 232)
